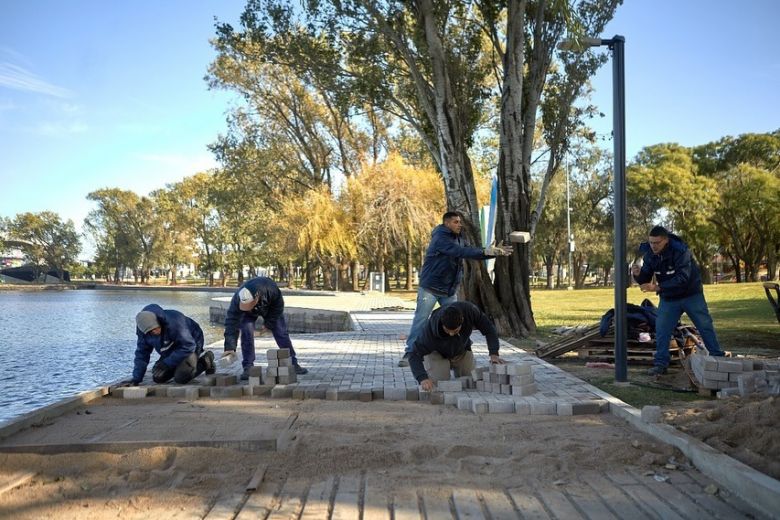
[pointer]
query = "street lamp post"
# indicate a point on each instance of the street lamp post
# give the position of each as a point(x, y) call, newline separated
point(570, 241)
point(616, 45)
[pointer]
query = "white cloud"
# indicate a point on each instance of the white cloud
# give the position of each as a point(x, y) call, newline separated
point(55, 129)
point(18, 78)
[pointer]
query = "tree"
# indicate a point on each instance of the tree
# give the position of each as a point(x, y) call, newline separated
point(429, 63)
point(46, 238)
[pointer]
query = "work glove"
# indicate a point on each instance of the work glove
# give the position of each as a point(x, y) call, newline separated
point(160, 371)
point(498, 250)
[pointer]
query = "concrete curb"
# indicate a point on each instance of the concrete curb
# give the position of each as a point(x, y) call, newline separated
point(759, 490)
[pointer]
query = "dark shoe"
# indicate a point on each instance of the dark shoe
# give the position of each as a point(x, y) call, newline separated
point(300, 370)
point(245, 374)
point(208, 362)
point(404, 362)
point(656, 371)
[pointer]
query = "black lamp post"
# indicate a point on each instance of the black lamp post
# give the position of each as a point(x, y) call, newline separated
point(616, 45)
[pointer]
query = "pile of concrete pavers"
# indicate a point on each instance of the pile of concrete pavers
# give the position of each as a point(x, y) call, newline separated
point(280, 370)
point(508, 379)
point(736, 376)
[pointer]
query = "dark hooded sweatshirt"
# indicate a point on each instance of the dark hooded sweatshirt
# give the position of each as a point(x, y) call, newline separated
point(675, 270)
point(270, 306)
point(433, 338)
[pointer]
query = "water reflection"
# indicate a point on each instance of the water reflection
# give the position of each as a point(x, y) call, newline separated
point(54, 344)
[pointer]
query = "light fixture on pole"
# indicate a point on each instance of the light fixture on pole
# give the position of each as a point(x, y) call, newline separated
point(616, 45)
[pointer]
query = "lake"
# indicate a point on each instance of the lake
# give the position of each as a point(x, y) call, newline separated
point(55, 344)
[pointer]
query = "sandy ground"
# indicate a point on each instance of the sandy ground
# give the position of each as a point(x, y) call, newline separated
point(400, 445)
point(747, 429)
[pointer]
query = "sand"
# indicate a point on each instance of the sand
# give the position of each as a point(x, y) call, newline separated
point(398, 446)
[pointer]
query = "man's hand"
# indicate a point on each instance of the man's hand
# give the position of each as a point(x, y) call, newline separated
point(649, 287)
point(498, 250)
point(495, 360)
point(426, 385)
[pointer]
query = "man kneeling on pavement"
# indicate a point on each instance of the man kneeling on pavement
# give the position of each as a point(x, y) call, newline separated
point(445, 344)
point(179, 341)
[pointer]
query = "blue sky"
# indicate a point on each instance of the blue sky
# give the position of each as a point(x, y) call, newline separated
point(97, 93)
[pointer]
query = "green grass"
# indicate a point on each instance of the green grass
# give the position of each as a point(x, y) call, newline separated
point(744, 320)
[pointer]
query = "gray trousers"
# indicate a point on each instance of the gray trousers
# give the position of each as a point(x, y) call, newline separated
point(439, 368)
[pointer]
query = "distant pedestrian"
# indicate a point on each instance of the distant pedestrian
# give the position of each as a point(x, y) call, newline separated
point(444, 344)
point(670, 271)
point(258, 297)
point(442, 272)
point(179, 341)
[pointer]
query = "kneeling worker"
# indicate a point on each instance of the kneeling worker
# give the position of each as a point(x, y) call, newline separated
point(179, 341)
point(444, 344)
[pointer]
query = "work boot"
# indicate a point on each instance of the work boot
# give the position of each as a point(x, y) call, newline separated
point(656, 371)
point(404, 361)
point(300, 370)
point(245, 374)
point(208, 362)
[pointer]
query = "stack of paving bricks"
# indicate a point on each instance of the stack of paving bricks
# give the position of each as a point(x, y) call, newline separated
point(509, 379)
point(280, 368)
point(736, 376)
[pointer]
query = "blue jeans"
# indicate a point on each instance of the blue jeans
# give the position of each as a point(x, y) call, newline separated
point(669, 312)
point(425, 302)
point(278, 328)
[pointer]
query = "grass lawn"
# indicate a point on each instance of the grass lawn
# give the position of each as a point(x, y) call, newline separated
point(743, 318)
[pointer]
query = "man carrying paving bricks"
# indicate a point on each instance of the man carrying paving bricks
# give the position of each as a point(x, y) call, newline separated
point(257, 297)
point(670, 271)
point(179, 341)
point(444, 344)
point(442, 271)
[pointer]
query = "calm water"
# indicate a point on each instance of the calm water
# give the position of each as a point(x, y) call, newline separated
point(55, 344)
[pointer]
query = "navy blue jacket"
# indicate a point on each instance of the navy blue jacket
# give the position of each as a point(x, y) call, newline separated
point(270, 307)
point(443, 267)
point(432, 338)
point(180, 336)
point(676, 273)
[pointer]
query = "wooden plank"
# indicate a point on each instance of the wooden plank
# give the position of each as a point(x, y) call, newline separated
point(528, 504)
point(15, 480)
point(257, 478)
point(589, 503)
point(345, 505)
point(467, 505)
point(375, 500)
point(567, 343)
point(318, 500)
point(716, 507)
point(648, 501)
point(406, 506)
point(684, 505)
point(614, 497)
point(226, 507)
point(498, 505)
point(290, 501)
point(559, 504)
point(701, 481)
point(437, 505)
point(259, 503)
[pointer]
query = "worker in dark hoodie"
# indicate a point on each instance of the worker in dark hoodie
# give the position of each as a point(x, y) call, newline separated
point(179, 341)
point(444, 344)
point(669, 270)
point(442, 272)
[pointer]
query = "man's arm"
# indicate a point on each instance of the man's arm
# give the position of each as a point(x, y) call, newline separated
point(486, 327)
point(452, 248)
point(683, 265)
point(142, 354)
point(232, 317)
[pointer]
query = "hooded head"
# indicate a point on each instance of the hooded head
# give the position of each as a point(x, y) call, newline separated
point(146, 321)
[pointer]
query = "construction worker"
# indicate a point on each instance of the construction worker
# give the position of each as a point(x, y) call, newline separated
point(179, 341)
point(444, 344)
point(258, 297)
point(670, 271)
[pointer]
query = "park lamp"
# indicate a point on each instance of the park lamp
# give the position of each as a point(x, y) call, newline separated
point(616, 45)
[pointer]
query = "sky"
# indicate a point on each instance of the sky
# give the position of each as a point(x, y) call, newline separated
point(97, 93)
